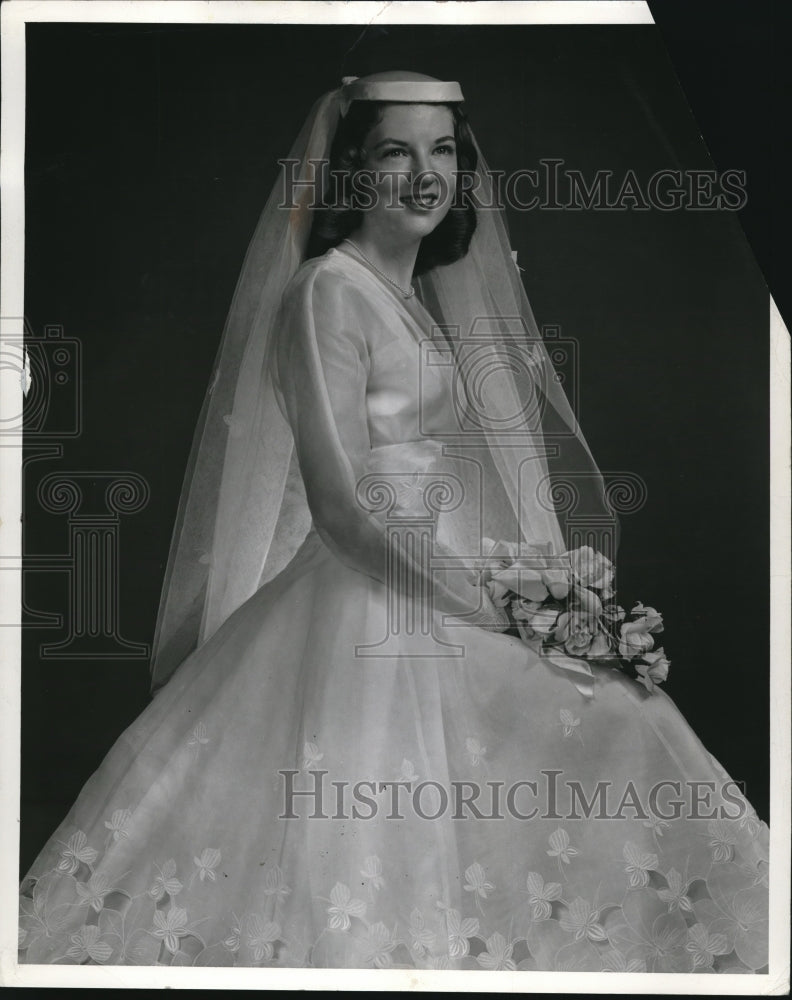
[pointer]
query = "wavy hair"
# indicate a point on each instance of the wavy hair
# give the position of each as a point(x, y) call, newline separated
point(336, 220)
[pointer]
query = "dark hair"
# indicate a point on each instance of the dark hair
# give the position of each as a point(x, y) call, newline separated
point(336, 220)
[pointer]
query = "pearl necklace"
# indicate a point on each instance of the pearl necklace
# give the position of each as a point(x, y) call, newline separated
point(407, 294)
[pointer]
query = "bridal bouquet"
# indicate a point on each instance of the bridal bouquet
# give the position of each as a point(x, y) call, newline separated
point(565, 608)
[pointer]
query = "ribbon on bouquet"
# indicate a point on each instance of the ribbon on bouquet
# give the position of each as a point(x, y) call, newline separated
point(576, 669)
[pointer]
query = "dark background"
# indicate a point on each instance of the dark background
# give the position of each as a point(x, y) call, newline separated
point(150, 153)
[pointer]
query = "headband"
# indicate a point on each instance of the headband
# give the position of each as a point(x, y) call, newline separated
point(412, 91)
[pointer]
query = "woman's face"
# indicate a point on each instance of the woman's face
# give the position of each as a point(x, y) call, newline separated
point(410, 160)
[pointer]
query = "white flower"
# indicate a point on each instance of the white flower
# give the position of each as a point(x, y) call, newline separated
point(723, 840)
point(675, 894)
point(541, 895)
point(86, 944)
point(498, 954)
point(476, 881)
point(199, 737)
point(342, 907)
point(655, 824)
point(209, 860)
point(372, 870)
point(170, 925)
point(583, 921)
point(616, 962)
point(261, 937)
point(118, 822)
point(459, 931)
point(476, 752)
point(559, 846)
point(569, 722)
point(166, 881)
point(311, 755)
point(591, 568)
point(76, 853)
point(376, 944)
point(234, 939)
point(422, 938)
point(654, 671)
point(408, 771)
point(274, 884)
point(94, 891)
point(705, 946)
point(654, 619)
point(638, 865)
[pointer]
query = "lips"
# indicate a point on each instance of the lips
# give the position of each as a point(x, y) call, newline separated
point(423, 204)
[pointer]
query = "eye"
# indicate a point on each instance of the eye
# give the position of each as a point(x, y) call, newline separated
point(396, 151)
point(446, 149)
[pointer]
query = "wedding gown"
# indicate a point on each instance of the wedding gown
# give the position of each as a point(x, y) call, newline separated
point(176, 851)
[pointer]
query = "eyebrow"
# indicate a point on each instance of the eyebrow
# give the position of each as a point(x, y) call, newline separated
point(400, 142)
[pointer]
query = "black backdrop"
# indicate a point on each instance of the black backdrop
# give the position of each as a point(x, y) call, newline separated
point(150, 152)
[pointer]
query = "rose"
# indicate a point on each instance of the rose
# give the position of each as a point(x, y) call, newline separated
point(580, 635)
point(538, 617)
point(654, 671)
point(592, 569)
point(653, 617)
point(635, 639)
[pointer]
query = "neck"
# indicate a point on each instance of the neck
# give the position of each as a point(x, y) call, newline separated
point(397, 260)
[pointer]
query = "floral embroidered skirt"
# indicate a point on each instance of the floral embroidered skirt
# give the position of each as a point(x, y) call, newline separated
point(314, 788)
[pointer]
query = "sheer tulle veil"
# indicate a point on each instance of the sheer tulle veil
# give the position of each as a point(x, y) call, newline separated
point(242, 513)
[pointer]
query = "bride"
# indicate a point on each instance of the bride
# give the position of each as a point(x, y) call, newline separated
point(352, 759)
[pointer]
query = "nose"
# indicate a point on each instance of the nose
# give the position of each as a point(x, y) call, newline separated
point(424, 180)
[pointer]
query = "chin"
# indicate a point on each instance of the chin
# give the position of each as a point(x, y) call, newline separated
point(422, 225)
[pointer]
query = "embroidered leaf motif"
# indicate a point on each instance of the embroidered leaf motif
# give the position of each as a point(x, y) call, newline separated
point(170, 925)
point(422, 938)
point(166, 881)
point(311, 755)
point(583, 921)
point(541, 895)
point(75, 853)
point(274, 884)
point(408, 771)
point(377, 944)
point(261, 937)
point(86, 944)
point(614, 961)
point(459, 931)
point(209, 860)
point(638, 865)
point(498, 955)
point(118, 822)
point(199, 737)
point(705, 946)
point(675, 894)
point(372, 870)
point(560, 847)
point(568, 721)
point(723, 840)
point(475, 751)
point(476, 881)
point(94, 891)
point(342, 907)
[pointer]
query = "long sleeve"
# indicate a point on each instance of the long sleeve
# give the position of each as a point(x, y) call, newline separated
point(322, 370)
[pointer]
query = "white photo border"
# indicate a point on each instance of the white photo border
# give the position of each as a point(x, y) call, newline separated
point(15, 14)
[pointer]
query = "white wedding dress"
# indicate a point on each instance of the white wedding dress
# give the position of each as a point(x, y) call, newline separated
point(176, 851)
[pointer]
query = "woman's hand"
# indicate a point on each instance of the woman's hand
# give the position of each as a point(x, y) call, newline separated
point(493, 618)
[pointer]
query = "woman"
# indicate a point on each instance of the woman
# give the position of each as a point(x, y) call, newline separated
point(349, 761)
